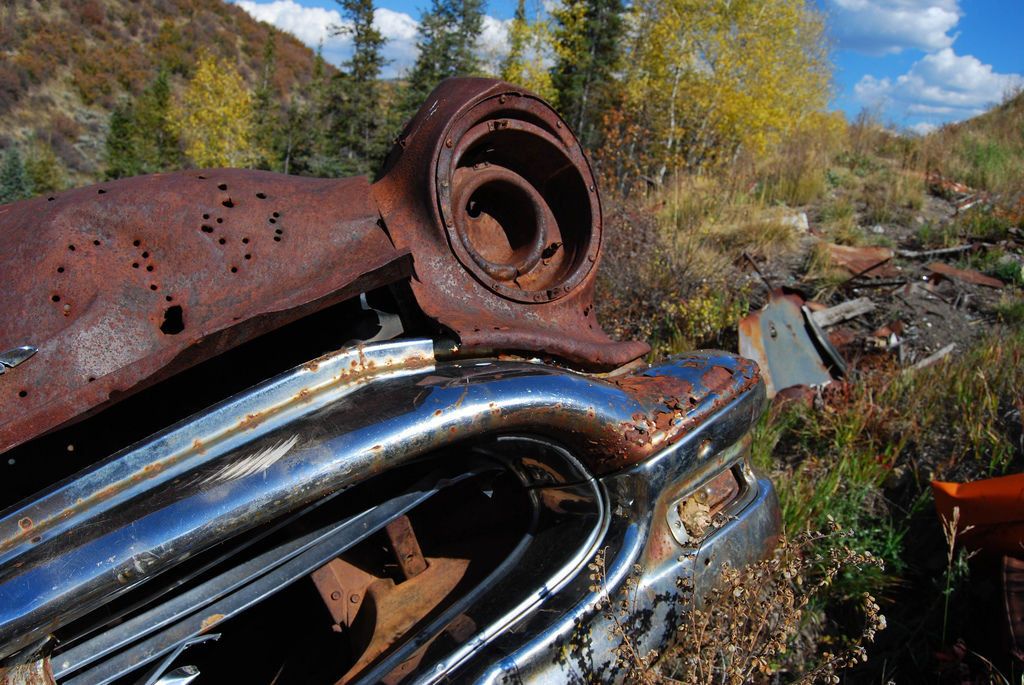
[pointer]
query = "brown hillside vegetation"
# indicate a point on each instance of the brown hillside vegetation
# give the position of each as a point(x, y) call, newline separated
point(65, 64)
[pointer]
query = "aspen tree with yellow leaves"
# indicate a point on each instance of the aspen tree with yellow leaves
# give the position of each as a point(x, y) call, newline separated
point(529, 46)
point(705, 79)
point(215, 116)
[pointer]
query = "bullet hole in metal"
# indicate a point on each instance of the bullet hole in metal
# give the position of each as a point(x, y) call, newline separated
point(207, 229)
point(174, 321)
point(234, 269)
point(152, 286)
point(206, 216)
point(277, 238)
point(95, 242)
point(90, 379)
point(100, 191)
point(168, 298)
point(262, 196)
point(222, 241)
point(273, 221)
point(223, 186)
point(23, 393)
point(279, 231)
point(248, 256)
point(55, 298)
point(136, 243)
point(135, 265)
point(149, 267)
point(71, 248)
point(276, 214)
point(145, 255)
point(228, 203)
point(60, 269)
point(245, 241)
point(220, 220)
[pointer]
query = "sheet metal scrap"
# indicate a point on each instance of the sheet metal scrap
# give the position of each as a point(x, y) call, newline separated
point(778, 339)
point(867, 262)
point(965, 275)
point(122, 284)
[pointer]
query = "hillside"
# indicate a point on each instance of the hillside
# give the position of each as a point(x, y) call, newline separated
point(66, 64)
point(985, 152)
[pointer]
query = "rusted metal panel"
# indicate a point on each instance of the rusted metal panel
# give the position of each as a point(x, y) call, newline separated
point(965, 275)
point(869, 262)
point(406, 547)
point(776, 338)
point(121, 284)
point(493, 194)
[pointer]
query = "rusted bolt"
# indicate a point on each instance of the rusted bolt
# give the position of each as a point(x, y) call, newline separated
point(501, 99)
point(558, 124)
point(354, 598)
point(25, 523)
point(335, 595)
point(448, 143)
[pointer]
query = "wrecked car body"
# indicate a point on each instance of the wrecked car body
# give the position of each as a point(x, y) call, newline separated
point(308, 430)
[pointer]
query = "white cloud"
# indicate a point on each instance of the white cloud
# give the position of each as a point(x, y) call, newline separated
point(312, 25)
point(493, 44)
point(942, 84)
point(923, 128)
point(308, 24)
point(879, 27)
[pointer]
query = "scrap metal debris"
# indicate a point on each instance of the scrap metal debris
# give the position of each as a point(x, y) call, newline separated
point(777, 338)
point(990, 512)
point(843, 312)
point(867, 262)
point(965, 275)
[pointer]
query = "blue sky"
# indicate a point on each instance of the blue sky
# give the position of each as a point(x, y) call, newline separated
point(915, 63)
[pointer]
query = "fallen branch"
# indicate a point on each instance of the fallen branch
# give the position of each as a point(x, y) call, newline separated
point(934, 358)
point(924, 254)
point(842, 312)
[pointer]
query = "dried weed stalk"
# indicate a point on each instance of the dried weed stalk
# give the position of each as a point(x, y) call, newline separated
point(741, 630)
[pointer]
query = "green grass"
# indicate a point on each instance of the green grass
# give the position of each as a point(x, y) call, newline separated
point(837, 463)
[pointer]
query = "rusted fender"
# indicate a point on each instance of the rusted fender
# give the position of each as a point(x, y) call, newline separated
point(122, 284)
point(492, 193)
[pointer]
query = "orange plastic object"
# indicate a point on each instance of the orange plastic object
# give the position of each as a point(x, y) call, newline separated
point(994, 507)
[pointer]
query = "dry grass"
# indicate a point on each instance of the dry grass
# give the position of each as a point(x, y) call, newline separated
point(984, 152)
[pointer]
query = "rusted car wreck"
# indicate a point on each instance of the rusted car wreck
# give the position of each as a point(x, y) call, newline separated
point(262, 428)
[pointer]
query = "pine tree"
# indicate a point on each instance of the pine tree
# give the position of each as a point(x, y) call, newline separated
point(215, 116)
point(14, 182)
point(305, 130)
point(156, 142)
point(266, 117)
point(121, 156)
point(447, 46)
point(358, 136)
point(587, 40)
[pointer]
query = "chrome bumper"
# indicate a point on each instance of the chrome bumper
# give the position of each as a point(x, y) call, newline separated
point(657, 434)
